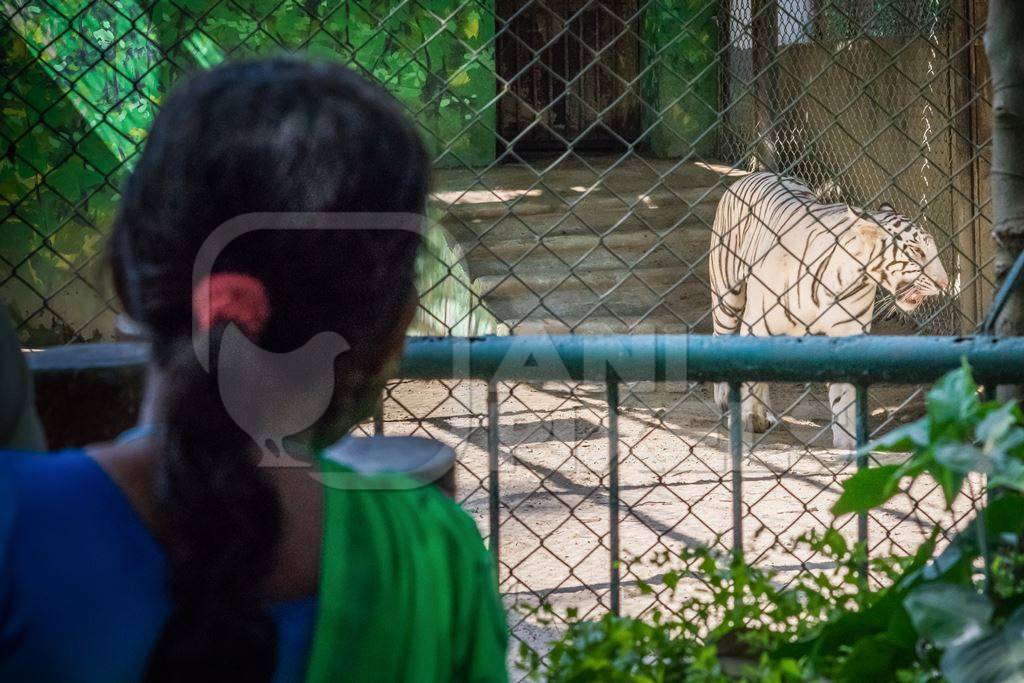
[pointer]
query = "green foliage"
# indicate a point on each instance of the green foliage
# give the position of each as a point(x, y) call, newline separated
point(937, 616)
point(867, 489)
point(729, 632)
point(960, 434)
point(617, 649)
point(88, 79)
point(680, 87)
point(449, 302)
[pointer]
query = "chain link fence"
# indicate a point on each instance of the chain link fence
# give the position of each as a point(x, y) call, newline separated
point(582, 148)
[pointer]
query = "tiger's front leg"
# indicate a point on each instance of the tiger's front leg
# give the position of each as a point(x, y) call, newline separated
point(757, 416)
point(841, 400)
point(756, 407)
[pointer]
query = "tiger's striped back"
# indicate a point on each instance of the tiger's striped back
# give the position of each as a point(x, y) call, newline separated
point(779, 260)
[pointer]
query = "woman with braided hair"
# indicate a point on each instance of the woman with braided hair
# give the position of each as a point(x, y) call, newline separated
point(180, 552)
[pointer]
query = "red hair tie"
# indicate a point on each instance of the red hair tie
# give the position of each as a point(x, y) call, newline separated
point(231, 297)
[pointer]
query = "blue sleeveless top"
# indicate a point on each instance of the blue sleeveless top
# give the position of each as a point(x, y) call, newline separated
point(83, 583)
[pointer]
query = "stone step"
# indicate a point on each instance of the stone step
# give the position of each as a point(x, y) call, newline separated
point(619, 250)
point(472, 207)
point(570, 177)
point(596, 214)
point(685, 304)
point(654, 323)
point(663, 280)
point(613, 248)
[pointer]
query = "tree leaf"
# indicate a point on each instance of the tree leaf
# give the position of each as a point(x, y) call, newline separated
point(866, 489)
point(872, 658)
point(993, 658)
point(1009, 473)
point(994, 426)
point(835, 542)
point(953, 401)
point(909, 437)
point(947, 614)
point(963, 458)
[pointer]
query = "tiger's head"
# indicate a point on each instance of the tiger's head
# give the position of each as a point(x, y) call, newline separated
point(902, 256)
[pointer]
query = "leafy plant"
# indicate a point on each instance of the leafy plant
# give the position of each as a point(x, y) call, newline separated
point(680, 82)
point(960, 434)
point(955, 615)
point(88, 78)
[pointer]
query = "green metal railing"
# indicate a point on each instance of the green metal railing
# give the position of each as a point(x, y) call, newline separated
point(614, 360)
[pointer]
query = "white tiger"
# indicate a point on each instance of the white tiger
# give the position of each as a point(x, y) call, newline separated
point(782, 263)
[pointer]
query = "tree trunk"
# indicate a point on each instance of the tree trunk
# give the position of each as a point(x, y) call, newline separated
point(1005, 53)
point(764, 18)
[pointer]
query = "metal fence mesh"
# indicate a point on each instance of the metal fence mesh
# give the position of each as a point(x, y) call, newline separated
point(871, 103)
point(582, 147)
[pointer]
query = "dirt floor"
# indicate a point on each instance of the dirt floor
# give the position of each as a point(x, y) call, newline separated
point(675, 483)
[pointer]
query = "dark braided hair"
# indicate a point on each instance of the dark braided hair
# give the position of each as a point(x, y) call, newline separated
point(279, 135)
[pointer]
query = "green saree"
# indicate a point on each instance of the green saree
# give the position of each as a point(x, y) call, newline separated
point(407, 589)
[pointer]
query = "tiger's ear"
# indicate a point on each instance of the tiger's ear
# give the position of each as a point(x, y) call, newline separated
point(867, 233)
point(886, 206)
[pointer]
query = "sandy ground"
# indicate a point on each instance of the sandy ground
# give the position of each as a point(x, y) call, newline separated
point(675, 483)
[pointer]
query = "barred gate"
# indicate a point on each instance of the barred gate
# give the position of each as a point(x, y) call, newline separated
point(581, 149)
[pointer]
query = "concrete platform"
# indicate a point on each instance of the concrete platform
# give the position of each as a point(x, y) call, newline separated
point(595, 244)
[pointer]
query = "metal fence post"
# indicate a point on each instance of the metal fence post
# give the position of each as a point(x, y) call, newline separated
point(493, 490)
point(613, 489)
point(736, 448)
point(863, 434)
point(378, 416)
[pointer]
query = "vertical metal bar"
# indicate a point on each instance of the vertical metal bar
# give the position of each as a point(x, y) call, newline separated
point(988, 393)
point(863, 434)
point(736, 448)
point(378, 417)
point(494, 493)
point(613, 489)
